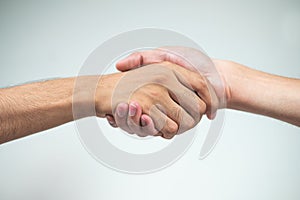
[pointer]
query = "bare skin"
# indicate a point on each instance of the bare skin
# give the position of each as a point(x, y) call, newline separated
point(261, 93)
point(34, 107)
point(245, 89)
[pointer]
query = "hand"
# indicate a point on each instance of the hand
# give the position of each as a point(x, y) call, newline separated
point(165, 95)
point(188, 58)
point(133, 113)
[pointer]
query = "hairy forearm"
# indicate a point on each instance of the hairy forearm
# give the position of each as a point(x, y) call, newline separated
point(261, 93)
point(34, 107)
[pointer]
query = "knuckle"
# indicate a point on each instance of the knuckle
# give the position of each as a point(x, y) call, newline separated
point(197, 118)
point(177, 112)
point(201, 83)
point(190, 123)
point(137, 59)
point(160, 78)
point(202, 107)
point(168, 136)
point(171, 128)
point(187, 124)
point(136, 55)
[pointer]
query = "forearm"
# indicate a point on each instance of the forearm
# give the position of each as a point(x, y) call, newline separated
point(261, 93)
point(34, 107)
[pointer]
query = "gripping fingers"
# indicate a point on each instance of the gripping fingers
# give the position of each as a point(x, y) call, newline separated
point(163, 123)
point(134, 121)
point(148, 126)
point(121, 117)
point(182, 118)
point(201, 85)
point(189, 102)
point(142, 125)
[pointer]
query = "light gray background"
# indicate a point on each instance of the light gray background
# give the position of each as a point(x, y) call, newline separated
point(256, 158)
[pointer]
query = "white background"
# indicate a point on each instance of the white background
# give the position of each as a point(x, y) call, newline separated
point(256, 157)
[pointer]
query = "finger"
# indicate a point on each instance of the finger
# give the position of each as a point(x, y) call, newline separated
point(134, 113)
point(142, 125)
point(174, 55)
point(212, 108)
point(209, 96)
point(170, 54)
point(163, 123)
point(121, 117)
point(148, 126)
point(137, 59)
point(111, 120)
point(133, 119)
point(182, 118)
point(188, 102)
point(201, 85)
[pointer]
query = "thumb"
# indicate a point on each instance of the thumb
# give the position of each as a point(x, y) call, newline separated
point(138, 59)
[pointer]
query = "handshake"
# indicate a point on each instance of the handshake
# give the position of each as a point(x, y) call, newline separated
point(161, 92)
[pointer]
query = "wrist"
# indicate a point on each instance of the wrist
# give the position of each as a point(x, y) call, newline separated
point(226, 70)
point(239, 84)
point(104, 93)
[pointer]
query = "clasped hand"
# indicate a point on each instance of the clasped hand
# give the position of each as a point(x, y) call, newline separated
point(161, 99)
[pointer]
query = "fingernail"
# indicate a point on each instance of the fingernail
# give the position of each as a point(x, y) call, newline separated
point(120, 112)
point(110, 122)
point(132, 109)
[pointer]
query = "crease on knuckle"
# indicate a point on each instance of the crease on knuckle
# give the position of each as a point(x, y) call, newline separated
point(190, 123)
point(171, 128)
point(202, 108)
point(177, 113)
point(187, 124)
point(138, 57)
